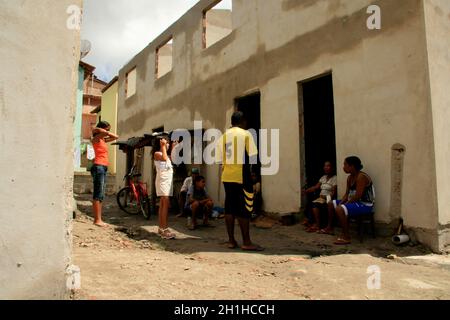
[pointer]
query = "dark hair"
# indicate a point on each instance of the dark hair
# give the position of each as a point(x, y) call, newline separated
point(333, 167)
point(237, 118)
point(199, 178)
point(354, 162)
point(156, 144)
point(103, 125)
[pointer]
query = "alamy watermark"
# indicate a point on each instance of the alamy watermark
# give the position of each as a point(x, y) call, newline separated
point(374, 20)
point(75, 13)
point(374, 279)
point(211, 146)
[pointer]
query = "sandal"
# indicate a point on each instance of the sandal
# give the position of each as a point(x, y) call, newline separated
point(326, 231)
point(252, 248)
point(166, 234)
point(342, 241)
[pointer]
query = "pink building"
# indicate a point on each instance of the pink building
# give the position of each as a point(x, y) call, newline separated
point(92, 98)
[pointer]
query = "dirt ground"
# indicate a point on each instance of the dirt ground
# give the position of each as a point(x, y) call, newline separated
point(125, 261)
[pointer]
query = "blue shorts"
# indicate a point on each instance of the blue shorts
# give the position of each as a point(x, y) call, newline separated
point(354, 209)
point(188, 209)
point(98, 173)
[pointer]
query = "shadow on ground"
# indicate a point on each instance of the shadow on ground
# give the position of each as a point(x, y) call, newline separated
point(277, 239)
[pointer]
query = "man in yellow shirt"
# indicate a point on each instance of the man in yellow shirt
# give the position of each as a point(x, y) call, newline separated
point(235, 145)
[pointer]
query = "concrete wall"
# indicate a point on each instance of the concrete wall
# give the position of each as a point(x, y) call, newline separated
point(109, 113)
point(380, 80)
point(131, 82)
point(437, 18)
point(78, 120)
point(218, 25)
point(39, 62)
point(165, 60)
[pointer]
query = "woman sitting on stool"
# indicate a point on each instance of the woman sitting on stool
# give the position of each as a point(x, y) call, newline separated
point(358, 199)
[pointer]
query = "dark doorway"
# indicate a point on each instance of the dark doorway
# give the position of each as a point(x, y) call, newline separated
point(317, 127)
point(250, 105)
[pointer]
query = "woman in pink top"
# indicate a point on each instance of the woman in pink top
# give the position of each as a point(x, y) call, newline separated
point(100, 137)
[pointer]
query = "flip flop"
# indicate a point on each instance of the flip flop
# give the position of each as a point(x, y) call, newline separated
point(252, 248)
point(231, 245)
point(341, 241)
point(325, 231)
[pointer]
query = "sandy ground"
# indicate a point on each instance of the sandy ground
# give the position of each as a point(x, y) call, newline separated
point(125, 261)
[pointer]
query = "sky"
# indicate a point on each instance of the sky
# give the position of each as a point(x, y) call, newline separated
point(120, 29)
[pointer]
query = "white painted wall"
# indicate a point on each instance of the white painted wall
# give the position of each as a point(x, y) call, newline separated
point(438, 31)
point(39, 62)
point(437, 19)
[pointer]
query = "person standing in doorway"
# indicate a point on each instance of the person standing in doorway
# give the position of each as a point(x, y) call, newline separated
point(163, 184)
point(232, 149)
point(100, 137)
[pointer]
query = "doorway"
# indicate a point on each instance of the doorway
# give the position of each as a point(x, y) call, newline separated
point(317, 127)
point(250, 106)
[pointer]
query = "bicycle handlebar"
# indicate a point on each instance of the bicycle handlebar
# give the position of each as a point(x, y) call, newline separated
point(131, 174)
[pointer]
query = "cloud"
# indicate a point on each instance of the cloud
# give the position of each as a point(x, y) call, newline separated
point(119, 29)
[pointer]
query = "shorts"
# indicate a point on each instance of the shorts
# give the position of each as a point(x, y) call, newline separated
point(235, 200)
point(98, 173)
point(319, 205)
point(188, 210)
point(354, 209)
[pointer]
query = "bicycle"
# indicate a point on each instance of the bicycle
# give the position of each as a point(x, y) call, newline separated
point(133, 198)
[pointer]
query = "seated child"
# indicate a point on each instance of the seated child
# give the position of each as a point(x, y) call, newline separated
point(198, 202)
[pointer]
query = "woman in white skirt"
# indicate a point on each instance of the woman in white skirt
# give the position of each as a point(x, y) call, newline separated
point(163, 185)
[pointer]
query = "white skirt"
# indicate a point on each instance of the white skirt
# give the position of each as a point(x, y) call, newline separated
point(164, 179)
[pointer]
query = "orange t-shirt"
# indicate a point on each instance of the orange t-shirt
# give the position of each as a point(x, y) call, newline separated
point(101, 153)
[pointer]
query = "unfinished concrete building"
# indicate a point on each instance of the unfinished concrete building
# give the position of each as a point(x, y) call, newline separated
point(333, 81)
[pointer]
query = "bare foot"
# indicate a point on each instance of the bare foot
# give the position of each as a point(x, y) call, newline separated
point(232, 244)
point(100, 224)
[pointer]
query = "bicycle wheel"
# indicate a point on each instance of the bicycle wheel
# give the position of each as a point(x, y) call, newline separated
point(127, 201)
point(144, 205)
